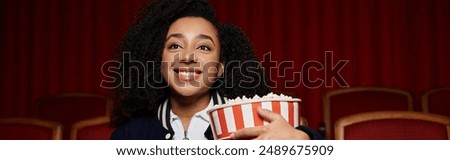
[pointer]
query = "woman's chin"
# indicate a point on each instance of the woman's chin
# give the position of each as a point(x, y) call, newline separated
point(187, 91)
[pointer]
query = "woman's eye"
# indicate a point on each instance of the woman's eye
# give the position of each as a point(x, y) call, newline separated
point(204, 48)
point(174, 46)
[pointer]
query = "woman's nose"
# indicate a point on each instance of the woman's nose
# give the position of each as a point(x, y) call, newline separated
point(188, 57)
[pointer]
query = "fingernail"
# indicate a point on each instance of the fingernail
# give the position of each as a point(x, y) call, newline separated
point(232, 136)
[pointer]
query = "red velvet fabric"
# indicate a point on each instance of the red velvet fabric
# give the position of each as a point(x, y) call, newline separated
point(439, 102)
point(24, 132)
point(53, 46)
point(70, 109)
point(95, 132)
point(367, 101)
point(396, 129)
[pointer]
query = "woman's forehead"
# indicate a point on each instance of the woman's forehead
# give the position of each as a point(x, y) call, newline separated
point(194, 26)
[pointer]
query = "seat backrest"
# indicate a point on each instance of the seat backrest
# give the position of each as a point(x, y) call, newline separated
point(343, 102)
point(72, 107)
point(21, 128)
point(437, 101)
point(92, 129)
point(393, 125)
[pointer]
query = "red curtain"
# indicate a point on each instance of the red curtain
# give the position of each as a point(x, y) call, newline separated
point(54, 46)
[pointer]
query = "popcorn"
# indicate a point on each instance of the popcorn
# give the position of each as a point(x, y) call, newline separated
point(270, 96)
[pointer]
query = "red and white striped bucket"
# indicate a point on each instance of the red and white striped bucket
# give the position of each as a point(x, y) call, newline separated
point(229, 118)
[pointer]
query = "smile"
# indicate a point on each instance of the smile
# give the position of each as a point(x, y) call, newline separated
point(187, 74)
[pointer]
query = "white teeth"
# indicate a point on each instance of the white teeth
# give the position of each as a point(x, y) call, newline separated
point(187, 74)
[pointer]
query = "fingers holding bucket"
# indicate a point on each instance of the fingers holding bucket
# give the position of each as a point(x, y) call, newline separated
point(268, 115)
point(248, 133)
point(259, 132)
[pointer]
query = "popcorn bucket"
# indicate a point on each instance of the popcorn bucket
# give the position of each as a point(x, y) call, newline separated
point(229, 118)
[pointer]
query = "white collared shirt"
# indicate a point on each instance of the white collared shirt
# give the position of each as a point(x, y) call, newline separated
point(197, 126)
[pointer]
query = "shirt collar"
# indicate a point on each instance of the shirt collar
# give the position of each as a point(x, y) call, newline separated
point(201, 114)
point(164, 110)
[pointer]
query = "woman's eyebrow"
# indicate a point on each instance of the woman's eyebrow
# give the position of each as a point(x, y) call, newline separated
point(204, 36)
point(175, 35)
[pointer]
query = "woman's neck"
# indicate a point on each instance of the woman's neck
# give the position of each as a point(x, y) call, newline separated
point(186, 107)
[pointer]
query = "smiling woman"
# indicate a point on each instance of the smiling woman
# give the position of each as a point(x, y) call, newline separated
point(195, 56)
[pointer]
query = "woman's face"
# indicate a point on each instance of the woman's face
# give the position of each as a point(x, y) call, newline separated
point(191, 55)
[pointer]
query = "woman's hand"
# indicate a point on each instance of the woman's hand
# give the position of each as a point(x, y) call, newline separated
point(278, 129)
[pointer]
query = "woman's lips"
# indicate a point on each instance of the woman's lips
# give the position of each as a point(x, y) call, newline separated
point(187, 74)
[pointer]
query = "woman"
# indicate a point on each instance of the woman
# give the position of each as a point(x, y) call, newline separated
point(195, 63)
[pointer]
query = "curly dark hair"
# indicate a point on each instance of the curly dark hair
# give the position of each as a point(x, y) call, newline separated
point(144, 42)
